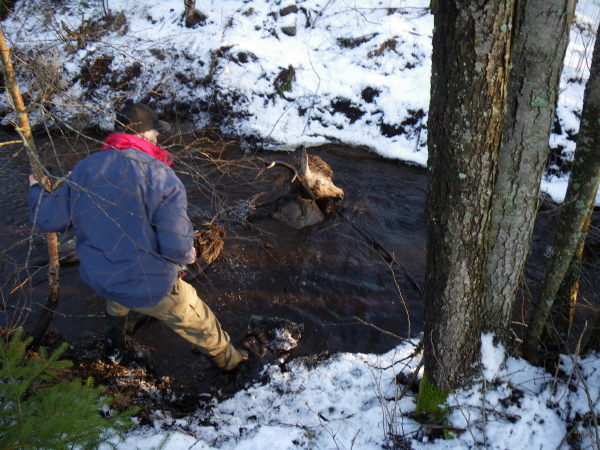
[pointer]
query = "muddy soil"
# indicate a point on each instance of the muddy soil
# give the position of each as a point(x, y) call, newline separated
point(336, 278)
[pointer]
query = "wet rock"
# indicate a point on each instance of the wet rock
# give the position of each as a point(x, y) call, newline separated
point(289, 31)
point(291, 9)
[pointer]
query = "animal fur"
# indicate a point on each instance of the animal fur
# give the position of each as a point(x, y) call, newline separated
point(296, 194)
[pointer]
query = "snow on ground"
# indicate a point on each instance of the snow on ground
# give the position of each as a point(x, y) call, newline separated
point(284, 73)
point(352, 401)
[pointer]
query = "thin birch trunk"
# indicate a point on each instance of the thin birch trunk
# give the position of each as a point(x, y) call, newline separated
point(581, 194)
point(563, 310)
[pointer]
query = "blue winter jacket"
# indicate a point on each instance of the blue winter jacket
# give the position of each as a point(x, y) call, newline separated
point(128, 211)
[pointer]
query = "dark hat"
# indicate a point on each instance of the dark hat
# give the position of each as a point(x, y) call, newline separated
point(137, 118)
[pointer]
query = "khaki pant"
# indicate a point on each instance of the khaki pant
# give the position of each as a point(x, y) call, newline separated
point(183, 311)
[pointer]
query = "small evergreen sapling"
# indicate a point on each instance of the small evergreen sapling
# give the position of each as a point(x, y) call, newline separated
point(39, 410)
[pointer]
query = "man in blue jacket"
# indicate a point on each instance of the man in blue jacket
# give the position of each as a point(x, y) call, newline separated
point(128, 210)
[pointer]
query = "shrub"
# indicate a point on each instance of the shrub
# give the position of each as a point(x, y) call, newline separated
point(283, 81)
point(40, 410)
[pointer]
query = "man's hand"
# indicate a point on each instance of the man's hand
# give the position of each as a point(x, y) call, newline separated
point(195, 255)
point(33, 181)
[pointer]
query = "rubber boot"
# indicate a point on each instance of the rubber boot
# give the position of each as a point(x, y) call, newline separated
point(114, 338)
point(229, 358)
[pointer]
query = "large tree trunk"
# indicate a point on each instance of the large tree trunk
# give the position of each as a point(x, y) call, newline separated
point(541, 39)
point(471, 45)
point(579, 201)
point(24, 130)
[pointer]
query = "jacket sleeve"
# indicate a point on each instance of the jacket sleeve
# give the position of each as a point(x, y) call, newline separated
point(174, 230)
point(49, 212)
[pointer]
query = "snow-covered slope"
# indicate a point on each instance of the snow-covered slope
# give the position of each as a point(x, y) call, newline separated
point(277, 73)
point(291, 72)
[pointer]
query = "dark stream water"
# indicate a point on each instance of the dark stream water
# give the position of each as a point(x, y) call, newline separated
point(328, 277)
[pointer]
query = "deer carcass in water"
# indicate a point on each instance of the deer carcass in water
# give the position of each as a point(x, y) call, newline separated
point(298, 191)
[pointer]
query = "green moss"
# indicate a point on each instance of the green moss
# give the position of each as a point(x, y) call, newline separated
point(432, 406)
point(432, 401)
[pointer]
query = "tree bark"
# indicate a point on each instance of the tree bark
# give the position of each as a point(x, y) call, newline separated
point(541, 37)
point(563, 309)
point(579, 201)
point(471, 48)
point(24, 130)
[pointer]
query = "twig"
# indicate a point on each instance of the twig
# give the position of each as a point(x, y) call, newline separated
point(592, 413)
point(411, 381)
point(314, 96)
point(508, 416)
point(11, 142)
point(574, 358)
point(483, 414)
point(382, 330)
point(326, 428)
point(432, 426)
point(401, 298)
point(591, 402)
point(383, 252)
point(69, 316)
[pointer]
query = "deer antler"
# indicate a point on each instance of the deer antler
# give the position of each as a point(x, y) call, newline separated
point(270, 165)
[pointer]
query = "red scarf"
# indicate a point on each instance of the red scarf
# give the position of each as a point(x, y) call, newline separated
point(122, 141)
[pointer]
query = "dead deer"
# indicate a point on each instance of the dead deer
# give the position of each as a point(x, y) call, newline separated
point(297, 192)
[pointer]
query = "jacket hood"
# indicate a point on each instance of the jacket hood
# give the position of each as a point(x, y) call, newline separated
point(121, 141)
